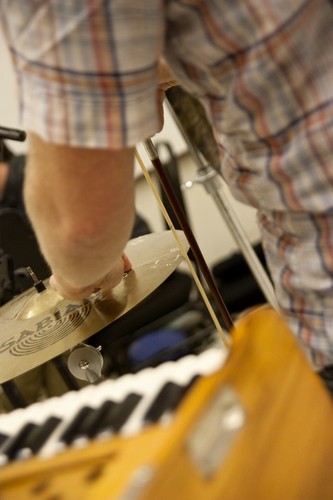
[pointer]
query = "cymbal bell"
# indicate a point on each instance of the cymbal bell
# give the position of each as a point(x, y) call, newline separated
point(36, 327)
point(39, 303)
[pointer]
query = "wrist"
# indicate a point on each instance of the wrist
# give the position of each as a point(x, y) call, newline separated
point(69, 292)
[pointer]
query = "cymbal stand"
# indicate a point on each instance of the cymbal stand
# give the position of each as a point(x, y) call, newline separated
point(212, 182)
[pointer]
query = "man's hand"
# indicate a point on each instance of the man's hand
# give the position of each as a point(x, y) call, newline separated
point(81, 204)
point(112, 279)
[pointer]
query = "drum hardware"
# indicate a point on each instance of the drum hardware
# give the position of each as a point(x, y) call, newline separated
point(191, 119)
point(38, 284)
point(212, 182)
point(85, 362)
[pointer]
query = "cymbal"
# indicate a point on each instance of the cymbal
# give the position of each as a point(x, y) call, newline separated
point(36, 327)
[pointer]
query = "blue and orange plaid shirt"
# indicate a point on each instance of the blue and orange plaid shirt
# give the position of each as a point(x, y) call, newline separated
point(87, 74)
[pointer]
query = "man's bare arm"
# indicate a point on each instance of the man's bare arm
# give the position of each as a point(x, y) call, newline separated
point(81, 204)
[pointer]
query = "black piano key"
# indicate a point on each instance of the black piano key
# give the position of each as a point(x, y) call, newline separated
point(3, 438)
point(166, 401)
point(9, 449)
point(92, 422)
point(72, 430)
point(114, 419)
point(38, 437)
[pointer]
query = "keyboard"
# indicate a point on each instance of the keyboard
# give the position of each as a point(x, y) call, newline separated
point(124, 406)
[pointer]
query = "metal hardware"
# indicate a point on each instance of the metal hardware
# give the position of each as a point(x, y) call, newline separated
point(215, 432)
point(85, 363)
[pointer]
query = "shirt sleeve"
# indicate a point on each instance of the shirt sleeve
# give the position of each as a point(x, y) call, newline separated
point(86, 70)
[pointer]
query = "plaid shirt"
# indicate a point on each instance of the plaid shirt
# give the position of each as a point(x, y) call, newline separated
point(87, 72)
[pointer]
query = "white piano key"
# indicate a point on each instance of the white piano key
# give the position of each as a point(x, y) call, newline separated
point(180, 372)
